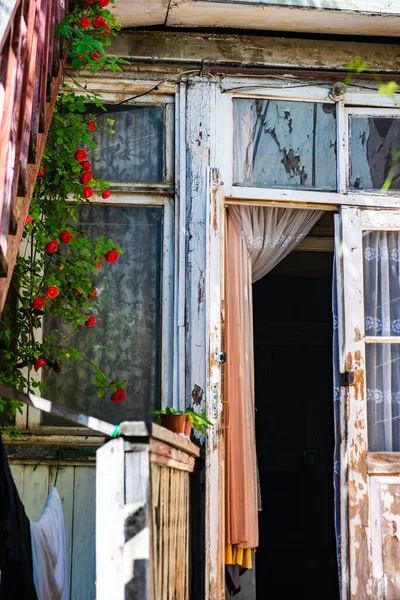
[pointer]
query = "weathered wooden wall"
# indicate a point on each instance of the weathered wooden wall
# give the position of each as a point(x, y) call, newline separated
point(76, 486)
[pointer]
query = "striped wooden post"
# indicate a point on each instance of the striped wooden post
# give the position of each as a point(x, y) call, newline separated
point(143, 514)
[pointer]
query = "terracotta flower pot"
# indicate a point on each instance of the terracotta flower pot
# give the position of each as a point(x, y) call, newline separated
point(175, 423)
point(188, 428)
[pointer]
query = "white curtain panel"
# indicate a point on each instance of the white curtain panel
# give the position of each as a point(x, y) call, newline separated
point(381, 258)
point(271, 233)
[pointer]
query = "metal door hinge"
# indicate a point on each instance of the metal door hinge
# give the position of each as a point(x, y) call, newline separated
point(349, 378)
point(220, 357)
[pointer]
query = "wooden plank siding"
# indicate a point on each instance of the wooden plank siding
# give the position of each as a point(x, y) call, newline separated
point(30, 74)
point(76, 486)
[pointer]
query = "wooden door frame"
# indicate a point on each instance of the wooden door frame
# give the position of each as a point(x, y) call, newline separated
point(215, 450)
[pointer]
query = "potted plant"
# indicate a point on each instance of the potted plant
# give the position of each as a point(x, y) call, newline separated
point(181, 422)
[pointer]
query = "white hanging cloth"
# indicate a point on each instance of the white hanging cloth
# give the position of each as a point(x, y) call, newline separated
point(271, 233)
point(49, 551)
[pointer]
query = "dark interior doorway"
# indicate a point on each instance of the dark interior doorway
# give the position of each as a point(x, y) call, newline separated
point(295, 435)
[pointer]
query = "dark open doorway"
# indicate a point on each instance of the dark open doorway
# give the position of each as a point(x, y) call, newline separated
point(295, 434)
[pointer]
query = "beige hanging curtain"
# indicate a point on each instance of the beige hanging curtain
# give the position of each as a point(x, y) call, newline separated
point(257, 239)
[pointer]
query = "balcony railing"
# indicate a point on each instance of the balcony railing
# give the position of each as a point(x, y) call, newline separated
point(148, 508)
point(30, 73)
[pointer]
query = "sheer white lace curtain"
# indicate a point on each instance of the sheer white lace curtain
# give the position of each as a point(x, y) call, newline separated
point(381, 257)
point(257, 239)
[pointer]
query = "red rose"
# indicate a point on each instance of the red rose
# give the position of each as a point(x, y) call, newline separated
point(52, 246)
point(85, 22)
point(106, 33)
point(86, 177)
point(39, 363)
point(87, 192)
point(118, 396)
point(42, 171)
point(86, 166)
point(104, 3)
point(85, 5)
point(106, 194)
point(52, 291)
point(66, 236)
point(90, 322)
point(91, 125)
point(38, 303)
point(28, 219)
point(96, 55)
point(93, 294)
point(99, 22)
point(112, 256)
point(81, 155)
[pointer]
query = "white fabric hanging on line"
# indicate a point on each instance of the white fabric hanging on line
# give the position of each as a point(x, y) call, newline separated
point(49, 553)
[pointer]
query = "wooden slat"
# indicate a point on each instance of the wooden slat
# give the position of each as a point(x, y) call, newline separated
point(83, 535)
point(383, 463)
point(17, 472)
point(36, 490)
point(65, 487)
point(58, 410)
point(110, 471)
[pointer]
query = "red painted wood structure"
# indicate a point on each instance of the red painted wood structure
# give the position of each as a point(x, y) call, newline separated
point(30, 74)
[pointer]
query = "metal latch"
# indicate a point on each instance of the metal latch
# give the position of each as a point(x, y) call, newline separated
point(220, 357)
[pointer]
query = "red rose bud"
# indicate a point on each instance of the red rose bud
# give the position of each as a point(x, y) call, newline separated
point(86, 166)
point(99, 263)
point(38, 303)
point(42, 171)
point(52, 246)
point(39, 363)
point(86, 177)
point(93, 294)
point(112, 256)
point(96, 55)
point(81, 155)
point(65, 236)
point(106, 33)
point(106, 194)
point(104, 3)
point(99, 22)
point(28, 219)
point(118, 396)
point(52, 291)
point(78, 291)
point(87, 192)
point(85, 22)
point(85, 5)
point(91, 125)
point(90, 322)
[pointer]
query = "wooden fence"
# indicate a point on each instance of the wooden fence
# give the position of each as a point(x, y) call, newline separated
point(30, 74)
point(143, 493)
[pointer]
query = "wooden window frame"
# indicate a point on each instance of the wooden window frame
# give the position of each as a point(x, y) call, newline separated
point(31, 418)
point(355, 101)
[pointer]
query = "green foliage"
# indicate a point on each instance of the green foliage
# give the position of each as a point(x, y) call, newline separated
point(86, 41)
point(69, 271)
point(198, 421)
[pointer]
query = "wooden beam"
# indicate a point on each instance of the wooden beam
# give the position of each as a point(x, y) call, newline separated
point(55, 409)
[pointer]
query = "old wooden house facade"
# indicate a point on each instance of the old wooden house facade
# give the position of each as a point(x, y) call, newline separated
point(260, 253)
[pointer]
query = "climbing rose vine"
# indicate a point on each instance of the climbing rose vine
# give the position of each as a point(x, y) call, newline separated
point(56, 271)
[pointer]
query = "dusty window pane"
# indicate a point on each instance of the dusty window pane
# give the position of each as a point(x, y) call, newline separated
point(284, 144)
point(373, 143)
point(136, 151)
point(125, 340)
